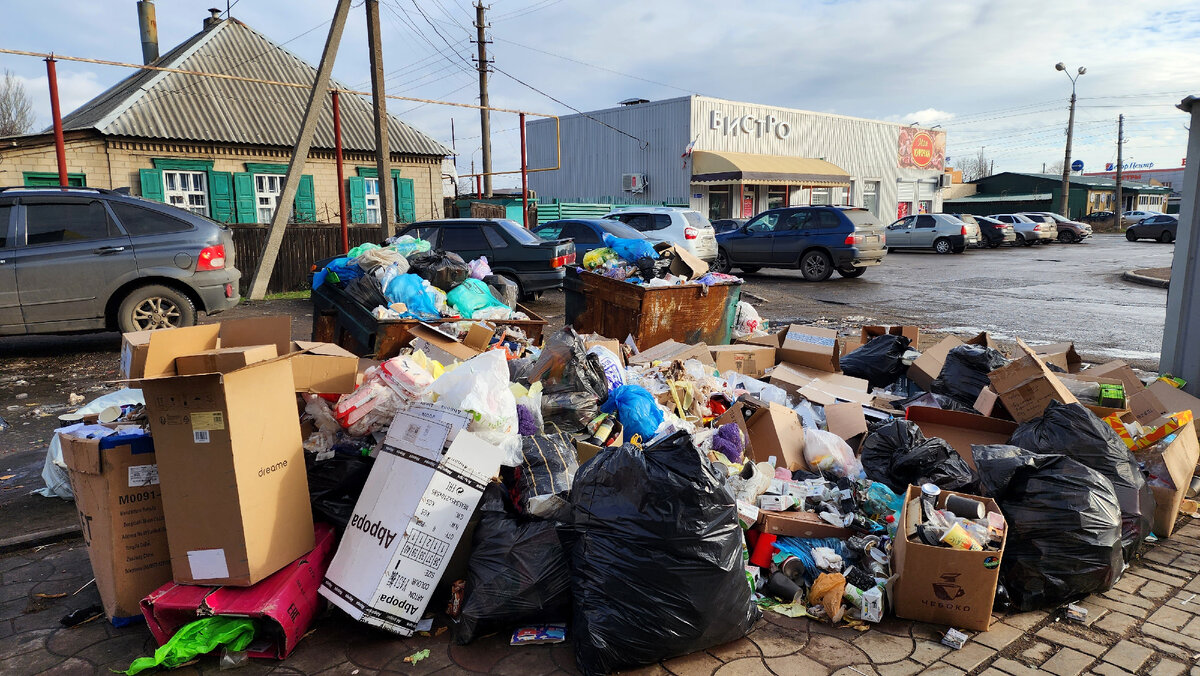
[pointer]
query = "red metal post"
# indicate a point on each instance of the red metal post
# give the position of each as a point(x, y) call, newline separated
point(524, 178)
point(337, 146)
point(60, 148)
point(478, 185)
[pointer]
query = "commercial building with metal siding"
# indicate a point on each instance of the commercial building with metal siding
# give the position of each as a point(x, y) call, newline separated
point(730, 159)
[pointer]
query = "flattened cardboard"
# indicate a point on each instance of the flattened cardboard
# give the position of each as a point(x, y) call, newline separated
point(1062, 355)
point(1026, 386)
point(811, 346)
point(941, 585)
point(793, 377)
point(285, 603)
point(798, 524)
point(671, 350)
point(116, 487)
point(751, 360)
point(439, 346)
point(929, 365)
point(1145, 407)
point(846, 420)
point(769, 430)
point(1180, 457)
point(223, 359)
point(960, 429)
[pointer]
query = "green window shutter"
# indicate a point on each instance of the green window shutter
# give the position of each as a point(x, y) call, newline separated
point(406, 202)
point(244, 200)
point(358, 199)
point(220, 196)
point(152, 184)
point(305, 204)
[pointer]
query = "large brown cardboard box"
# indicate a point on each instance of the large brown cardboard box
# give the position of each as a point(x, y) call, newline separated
point(929, 365)
point(1026, 386)
point(1062, 355)
point(811, 346)
point(323, 368)
point(115, 481)
point(133, 353)
point(223, 359)
point(1180, 457)
point(960, 429)
point(770, 430)
point(751, 360)
point(798, 524)
point(941, 585)
point(231, 465)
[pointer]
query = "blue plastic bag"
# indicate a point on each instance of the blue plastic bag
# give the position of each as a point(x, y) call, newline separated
point(341, 269)
point(636, 409)
point(472, 296)
point(630, 249)
point(414, 292)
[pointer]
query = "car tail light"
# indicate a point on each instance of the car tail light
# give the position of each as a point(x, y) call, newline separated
point(690, 233)
point(1037, 228)
point(211, 258)
point(229, 290)
point(854, 239)
point(562, 261)
point(964, 231)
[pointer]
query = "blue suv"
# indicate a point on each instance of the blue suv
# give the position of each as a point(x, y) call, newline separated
point(816, 240)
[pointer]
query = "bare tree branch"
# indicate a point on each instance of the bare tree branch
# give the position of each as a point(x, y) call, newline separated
point(16, 110)
point(974, 167)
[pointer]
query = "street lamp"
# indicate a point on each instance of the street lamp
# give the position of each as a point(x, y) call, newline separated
point(1066, 176)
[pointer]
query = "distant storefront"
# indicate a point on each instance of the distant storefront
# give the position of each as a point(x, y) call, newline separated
point(734, 160)
point(1010, 192)
point(1171, 177)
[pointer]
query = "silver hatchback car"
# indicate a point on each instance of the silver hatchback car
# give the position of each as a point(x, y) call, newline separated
point(675, 225)
point(941, 232)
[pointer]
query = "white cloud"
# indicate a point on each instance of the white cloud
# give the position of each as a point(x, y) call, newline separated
point(75, 88)
point(925, 118)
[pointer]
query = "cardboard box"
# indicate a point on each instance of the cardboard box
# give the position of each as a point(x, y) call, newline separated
point(1113, 369)
point(133, 353)
point(1180, 457)
point(983, 339)
point(229, 449)
point(1062, 355)
point(799, 524)
point(929, 365)
point(683, 263)
point(439, 346)
point(115, 481)
point(941, 585)
point(793, 378)
point(961, 430)
point(846, 420)
point(913, 333)
point(223, 359)
point(1026, 386)
point(671, 350)
point(1174, 399)
point(770, 430)
point(585, 451)
point(324, 368)
point(774, 340)
point(751, 360)
point(811, 346)
point(479, 336)
point(285, 603)
point(418, 498)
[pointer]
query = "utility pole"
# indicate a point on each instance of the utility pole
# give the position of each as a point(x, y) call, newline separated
point(1182, 328)
point(316, 104)
point(1066, 172)
point(1119, 209)
point(485, 122)
point(383, 149)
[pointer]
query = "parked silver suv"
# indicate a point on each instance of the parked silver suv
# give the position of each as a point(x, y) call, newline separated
point(676, 225)
point(1030, 231)
point(86, 259)
point(941, 232)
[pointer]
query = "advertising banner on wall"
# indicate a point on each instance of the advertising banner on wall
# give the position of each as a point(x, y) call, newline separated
point(922, 149)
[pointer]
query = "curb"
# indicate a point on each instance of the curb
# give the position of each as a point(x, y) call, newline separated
point(43, 537)
point(1133, 276)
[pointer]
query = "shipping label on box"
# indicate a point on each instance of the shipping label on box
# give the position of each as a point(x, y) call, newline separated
point(422, 490)
point(811, 346)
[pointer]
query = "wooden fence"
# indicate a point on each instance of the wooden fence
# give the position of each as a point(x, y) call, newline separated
point(302, 246)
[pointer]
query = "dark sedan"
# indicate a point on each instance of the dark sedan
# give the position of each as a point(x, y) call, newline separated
point(1161, 227)
point(992, 233)
point(728, 224)
point(1097, 217)
point(588, 233)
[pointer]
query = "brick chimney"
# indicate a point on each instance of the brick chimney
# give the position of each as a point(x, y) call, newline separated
point(212, 20)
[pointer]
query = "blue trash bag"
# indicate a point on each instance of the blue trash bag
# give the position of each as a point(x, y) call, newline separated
point(630, 249)
point(636, 409)
point(472, 296)
point(415, 294)
point(342, 269)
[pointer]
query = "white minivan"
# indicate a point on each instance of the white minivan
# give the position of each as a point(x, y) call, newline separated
point(676, 225)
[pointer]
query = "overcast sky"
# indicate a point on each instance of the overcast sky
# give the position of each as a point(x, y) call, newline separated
point(982, 70)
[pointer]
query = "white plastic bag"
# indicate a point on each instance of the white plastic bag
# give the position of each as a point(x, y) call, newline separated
point(747, 321)
point(480, 386)
point(827, 452)
point(54, 469)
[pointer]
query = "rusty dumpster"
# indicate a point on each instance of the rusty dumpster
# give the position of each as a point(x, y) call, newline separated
point(689, 313)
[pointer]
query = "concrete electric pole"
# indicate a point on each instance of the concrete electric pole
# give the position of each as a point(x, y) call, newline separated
point(485, 122)
point(1066, 172)
point(1119, 209)
point(383, 148)
point(1181, 334)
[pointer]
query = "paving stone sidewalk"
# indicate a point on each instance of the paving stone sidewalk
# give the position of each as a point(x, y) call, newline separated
point(1148, 624)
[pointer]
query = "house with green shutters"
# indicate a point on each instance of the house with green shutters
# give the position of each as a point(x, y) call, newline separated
point(220, 147)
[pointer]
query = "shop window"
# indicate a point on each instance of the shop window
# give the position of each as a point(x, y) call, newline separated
point(186, 190)
point(267, 190)
point(820, 197)
point(371, 212)
point(718, 203)
point(924, 206)
point(871, 196)
point(777, 196)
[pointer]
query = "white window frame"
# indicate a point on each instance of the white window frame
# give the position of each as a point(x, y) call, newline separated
point(187, 190)
point(871, 188)
point(267, 190)
point(371, 199)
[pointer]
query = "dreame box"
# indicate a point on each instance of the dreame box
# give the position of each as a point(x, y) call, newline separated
point(427, 479)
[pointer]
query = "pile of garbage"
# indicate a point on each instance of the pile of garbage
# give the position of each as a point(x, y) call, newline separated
point(637, 261)
point(407, 279)
point(643, 501)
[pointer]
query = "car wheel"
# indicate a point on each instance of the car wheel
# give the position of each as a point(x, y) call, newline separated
point(994, 244)
point(851, 272)
point(750, 269)
point(1067, 237)
point(155, 307)
point(815, 266)
point(722, 263)
point(1166, 237)
point(942, 246)
point(1025, 241)
point(1129, 235)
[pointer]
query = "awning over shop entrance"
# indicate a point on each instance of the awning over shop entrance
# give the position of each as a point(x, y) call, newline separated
point(726, 167)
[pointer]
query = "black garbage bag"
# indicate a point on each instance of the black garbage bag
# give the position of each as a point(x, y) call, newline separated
point(657, 566)
point(1064, 525)
point(543, 479)
point(367, 291)
point(443, 269)
point(1074, 431)
point(334, 486)
point(878, 362)
point(518, 572)
point(965, 373)
point(573, 381)
point(897, 454)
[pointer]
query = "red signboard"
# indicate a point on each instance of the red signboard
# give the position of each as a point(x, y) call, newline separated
point(922, 149)
point(747, 206)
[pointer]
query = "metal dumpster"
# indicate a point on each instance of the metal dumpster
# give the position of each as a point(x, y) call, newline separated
point(340, 319)
point(691, 313)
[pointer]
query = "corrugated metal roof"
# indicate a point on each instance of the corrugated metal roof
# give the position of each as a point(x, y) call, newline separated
point(155, 104)
point(987, 197)
point(1088, 180)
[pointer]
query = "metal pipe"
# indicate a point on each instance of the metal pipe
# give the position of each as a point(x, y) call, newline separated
point(341, 178)
point(524, 178)
point(60, 147)
point(148, 27)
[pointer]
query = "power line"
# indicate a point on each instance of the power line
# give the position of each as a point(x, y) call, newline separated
point(529, 9)
point(592, 65)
